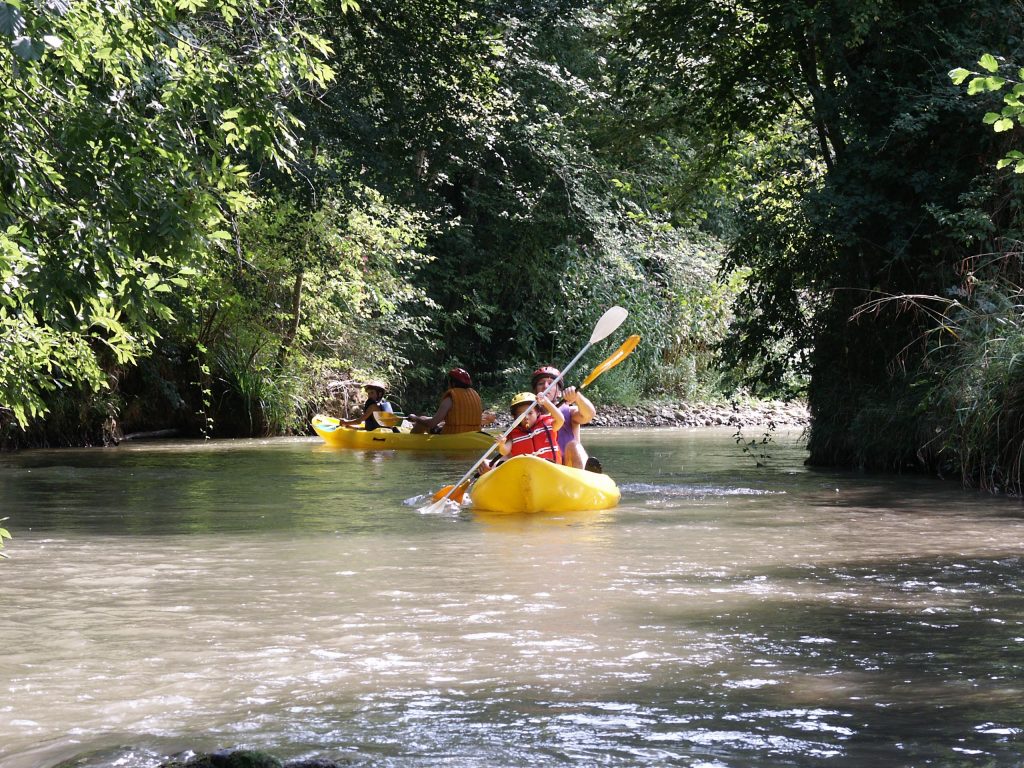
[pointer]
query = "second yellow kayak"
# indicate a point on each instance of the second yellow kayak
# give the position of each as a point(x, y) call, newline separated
point(338, 436)
point(530, 484)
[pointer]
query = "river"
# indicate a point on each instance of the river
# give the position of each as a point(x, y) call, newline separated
point(281, 595)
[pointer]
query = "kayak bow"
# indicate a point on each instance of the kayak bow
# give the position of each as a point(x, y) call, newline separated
point(530, 484)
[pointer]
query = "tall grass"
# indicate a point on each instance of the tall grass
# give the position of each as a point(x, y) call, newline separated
point(981, 393)
point(970, 415)
point(270, 398)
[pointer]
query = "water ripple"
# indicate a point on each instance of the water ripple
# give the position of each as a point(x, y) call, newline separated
point(695, 491)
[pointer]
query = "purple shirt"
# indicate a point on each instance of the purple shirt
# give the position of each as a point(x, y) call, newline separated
point(565, 435)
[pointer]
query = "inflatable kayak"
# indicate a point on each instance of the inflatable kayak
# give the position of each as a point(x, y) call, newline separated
point(529, 484)
point(337, 436)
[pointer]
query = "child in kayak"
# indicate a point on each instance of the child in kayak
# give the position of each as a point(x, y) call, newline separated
point(536, 434)
point(375, 403)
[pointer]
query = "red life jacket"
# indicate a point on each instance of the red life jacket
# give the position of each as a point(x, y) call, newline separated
point(540, 441)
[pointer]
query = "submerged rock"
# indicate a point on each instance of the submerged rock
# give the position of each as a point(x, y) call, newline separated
point(244, 758)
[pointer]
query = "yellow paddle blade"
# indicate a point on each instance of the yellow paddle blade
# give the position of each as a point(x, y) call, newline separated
point(453, 493)
point(445, 491)
point(613, 359)
point(386, 419)
point(459, 493)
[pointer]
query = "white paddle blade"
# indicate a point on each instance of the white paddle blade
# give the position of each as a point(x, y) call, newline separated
point(609, 321)
point(443, 505)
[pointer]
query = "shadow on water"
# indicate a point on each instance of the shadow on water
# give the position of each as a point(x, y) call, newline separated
point(833, 661)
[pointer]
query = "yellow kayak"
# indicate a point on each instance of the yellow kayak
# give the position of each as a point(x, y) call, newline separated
point(529, 484)
point(337, 436)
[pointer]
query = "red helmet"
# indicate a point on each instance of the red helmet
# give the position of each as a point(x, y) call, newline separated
point(460, 375)
point(544, 370)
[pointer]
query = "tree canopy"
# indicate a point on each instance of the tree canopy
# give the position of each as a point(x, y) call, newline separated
point(213, 212)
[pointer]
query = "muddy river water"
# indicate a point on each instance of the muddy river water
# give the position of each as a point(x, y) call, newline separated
point(280, 595)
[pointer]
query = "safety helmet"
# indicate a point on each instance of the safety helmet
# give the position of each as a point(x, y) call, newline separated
point(460, 375)
point(544, 370)
point(375, 384)
point(522, 397)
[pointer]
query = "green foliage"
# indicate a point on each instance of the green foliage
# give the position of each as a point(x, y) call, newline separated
point(194, 223)
point(1012, 112)
point(862, 179)
point(124, 127)
point(300, 291)
point(973, 379)
point(548, 221)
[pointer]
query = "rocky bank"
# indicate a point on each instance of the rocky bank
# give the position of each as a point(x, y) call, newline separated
point(759, 413)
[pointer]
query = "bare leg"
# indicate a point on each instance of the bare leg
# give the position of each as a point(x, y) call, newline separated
point(575, 455)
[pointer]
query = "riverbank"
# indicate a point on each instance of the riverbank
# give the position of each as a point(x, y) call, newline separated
point(739, 414)
point(682, 414)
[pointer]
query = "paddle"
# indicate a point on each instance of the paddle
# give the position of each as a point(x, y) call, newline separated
point(386, 419)
point(608, 322)
point(455, 493)
point(613, 359)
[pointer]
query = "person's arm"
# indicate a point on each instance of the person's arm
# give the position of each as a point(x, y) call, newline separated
point(557, 419)
point(503, 446)
point(371, 408)
point(429, 422)
point(584, 412)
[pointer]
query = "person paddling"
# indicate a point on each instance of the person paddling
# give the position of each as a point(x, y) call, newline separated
point(375, 403)
point(460, 409)
point(576, 411)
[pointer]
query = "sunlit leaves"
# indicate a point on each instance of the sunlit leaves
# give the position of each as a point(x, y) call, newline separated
point(988, 62)
point(959, 74)
point(984, 84)
point(122, 177)
point(1011, 114)
point(1015, 158)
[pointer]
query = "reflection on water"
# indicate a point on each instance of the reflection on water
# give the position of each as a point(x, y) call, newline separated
point(279, 595)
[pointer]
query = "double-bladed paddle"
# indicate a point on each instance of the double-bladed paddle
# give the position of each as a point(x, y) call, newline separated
point(608, 322)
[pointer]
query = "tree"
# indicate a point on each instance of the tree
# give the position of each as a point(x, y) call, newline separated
point(883, 196)
point(128, 131)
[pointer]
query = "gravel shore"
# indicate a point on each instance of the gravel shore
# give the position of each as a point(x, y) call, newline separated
point(681, 414)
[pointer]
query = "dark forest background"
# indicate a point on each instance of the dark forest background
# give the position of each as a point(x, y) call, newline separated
point(213, 212)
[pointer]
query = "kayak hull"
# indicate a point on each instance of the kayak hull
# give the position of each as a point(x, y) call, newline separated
point(527, 484)
point(338, 436)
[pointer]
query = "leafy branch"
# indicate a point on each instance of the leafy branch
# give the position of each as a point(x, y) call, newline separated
point(1012, 112)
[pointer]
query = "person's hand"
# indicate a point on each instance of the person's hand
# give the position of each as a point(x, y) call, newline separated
point(543, 399)
point(570, 395)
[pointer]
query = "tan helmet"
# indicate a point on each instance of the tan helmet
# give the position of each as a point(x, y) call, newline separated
point(376, 384)
point(522, 397)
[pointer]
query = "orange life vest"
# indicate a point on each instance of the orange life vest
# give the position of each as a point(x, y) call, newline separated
point(465, 413)
point(540, 441)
